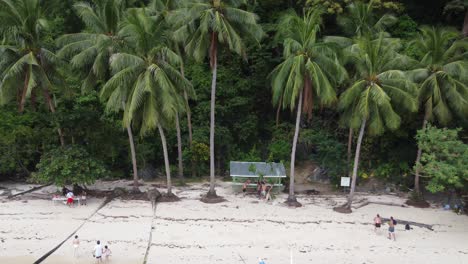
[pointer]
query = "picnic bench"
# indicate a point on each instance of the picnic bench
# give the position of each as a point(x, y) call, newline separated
point(270, 172)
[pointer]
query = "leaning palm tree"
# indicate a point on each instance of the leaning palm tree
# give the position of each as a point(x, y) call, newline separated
point(89, 51)
point(202, 26)
point(27, 67)
point(443, 78)
point(146, 74)
point(371, 101)
point(307, 75)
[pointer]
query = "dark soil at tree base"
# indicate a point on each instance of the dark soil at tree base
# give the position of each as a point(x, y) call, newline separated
point(342, 209)
point(168, 198)
point(418, 203)
point(212, 198)
point(293, 202)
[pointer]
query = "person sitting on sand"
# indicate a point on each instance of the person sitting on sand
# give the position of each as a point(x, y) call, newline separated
point(97, 253)
point(70, 197)
point(244, 187)
point(76, 244)
point(261, 261)
point(106, 253)
point(391, 229)
point(377, 222)
point(65, 190)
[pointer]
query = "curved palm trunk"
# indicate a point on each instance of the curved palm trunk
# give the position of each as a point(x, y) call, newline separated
point(292, 196)
point(52, 109)
point(278, 111)
point(356, 164)
point(214, 64)
point(179, 149)
point(23, 93)
point(133, 154)
point(189, 121)
point(350, 143)
point(417, 171)
point(166, 160)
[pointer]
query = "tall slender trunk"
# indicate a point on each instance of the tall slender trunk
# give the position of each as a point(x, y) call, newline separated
point(52, 109)
point(24, 91)
point(189, 122)
point(417, 171)
point(166, 160)
point(350, 143)
point(278, 111)
point(292, 196)
point(356, 164)
point(465, 23)
point(214, 64)
point(133, 153)
point(179, 149)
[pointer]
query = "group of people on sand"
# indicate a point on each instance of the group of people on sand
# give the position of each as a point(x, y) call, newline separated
point(72, 195)
point(263, 189)
point(99, 253)
point(391, 226)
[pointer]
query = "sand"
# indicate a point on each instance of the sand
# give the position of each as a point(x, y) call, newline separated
point(240, 230)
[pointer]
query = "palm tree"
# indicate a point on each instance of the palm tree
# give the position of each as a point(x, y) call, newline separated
point(307, 75)
point(443, 78)
point(361, 19)
point(89, 51)
point(380, 88)
point(146, 74)
point(203, 25)
point(24, 58)
point(162, 9)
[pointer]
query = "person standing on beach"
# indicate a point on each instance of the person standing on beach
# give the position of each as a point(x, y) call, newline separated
point(98, 252)
point(106, 253)
point(377, 222)
point(391, 229)
point(76, 244)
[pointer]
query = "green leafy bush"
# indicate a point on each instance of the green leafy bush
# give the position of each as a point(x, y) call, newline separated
point(444, 160)
point(69, 165)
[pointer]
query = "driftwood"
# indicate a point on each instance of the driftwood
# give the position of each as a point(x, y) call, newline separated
point(28, 191)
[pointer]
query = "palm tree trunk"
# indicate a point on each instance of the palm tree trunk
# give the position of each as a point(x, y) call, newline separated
point(465, 24)
point(213, 61)
point(292, 196)
point(133, 153)
point(166, 160)
point(278, 111)
point(52, 109)
point(179, 149)
point(350, 143)
point(417, 171)
point(356, 164)
point(23, 93)
point(189, 121)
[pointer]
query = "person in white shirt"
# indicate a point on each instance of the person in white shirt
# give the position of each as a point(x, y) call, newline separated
point(76, 244)
point(70, 197)
point(98, 252)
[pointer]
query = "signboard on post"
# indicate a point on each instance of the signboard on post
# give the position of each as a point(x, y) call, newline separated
point(345, 182)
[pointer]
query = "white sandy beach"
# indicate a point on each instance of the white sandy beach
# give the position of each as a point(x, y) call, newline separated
point(236, 231)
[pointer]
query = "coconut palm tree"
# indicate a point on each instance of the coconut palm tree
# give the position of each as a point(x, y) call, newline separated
point(361, 19)
point(23, 57)
point(89, 51)
point(380, 91)
point(162, 9)
point(307, 75)
point(443, 78)
point(205, 24)
point(146, 73)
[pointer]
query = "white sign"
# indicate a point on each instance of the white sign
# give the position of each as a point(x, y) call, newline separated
point(345, 182)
